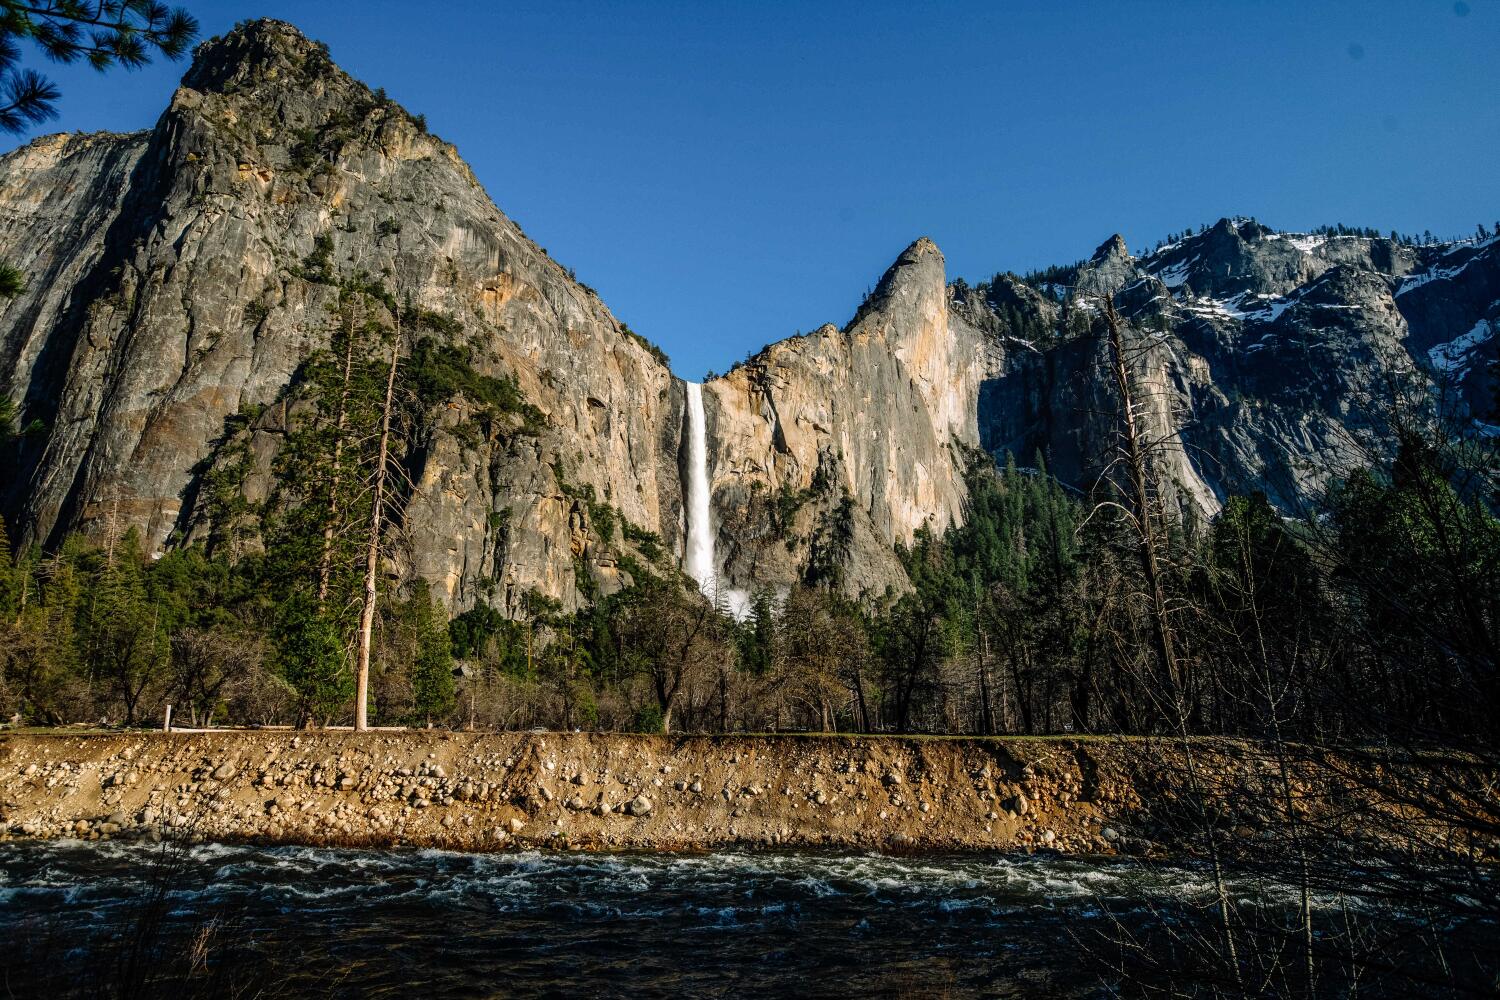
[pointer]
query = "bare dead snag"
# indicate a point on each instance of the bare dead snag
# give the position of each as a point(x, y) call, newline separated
point(372, 550)
point(325, 561)
point(1143, 498)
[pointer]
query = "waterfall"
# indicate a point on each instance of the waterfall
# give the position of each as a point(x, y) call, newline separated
point(699, 557)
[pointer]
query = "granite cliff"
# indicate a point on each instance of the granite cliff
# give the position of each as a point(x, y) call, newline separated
point(180, 278)
point(1270, 361)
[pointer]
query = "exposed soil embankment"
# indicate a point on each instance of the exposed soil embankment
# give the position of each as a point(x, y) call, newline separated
point(616, 791)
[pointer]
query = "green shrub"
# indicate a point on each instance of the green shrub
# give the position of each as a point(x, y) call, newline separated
point(648, 719)
point(656, 352)
point(318, 265)
point(439, 372)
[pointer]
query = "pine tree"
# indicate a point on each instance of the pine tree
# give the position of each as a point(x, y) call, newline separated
point(317, 521)
point(755, 637)
point(42, 656)
point(310, 656)
point(1144, 513)
point(432, 666)
point(350, 326)
point(1263, 618)
point(9, 434)
point(12, 281)
point(103, 33)
point(10, 582)
point(128, 630)
point(1422, 566)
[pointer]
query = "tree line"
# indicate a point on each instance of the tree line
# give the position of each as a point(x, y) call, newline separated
point(1047, 611)
point(283, 610)
point(1034, 616)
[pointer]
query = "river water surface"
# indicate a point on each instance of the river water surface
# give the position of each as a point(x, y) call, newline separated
point(327, 922)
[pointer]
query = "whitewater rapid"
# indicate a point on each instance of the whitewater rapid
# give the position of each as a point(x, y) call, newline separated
point(445, 924)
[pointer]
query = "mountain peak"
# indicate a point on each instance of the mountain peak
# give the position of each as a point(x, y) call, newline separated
point(1239, 229)
point(1109, 270)
point(919, 267)
point(261, 49)
point(920, 247)
point(1114, 247)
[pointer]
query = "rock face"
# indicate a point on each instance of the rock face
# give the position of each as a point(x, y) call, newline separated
point(180, 279)
point(1268, 361)
point(836, 445)
point(174, 284)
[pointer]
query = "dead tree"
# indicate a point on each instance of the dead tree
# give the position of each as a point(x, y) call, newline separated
point(372, 548)
point(1144, 516)
point(1143, 499)
point(341, 418)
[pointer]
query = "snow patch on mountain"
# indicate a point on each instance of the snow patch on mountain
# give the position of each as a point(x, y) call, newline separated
point(1436, 274)
point(1454, 357)
point(1450, 271)
point(1177, 275)
point(1246, 307)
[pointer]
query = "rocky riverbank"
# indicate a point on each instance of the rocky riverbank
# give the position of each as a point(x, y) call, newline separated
point(620, 792)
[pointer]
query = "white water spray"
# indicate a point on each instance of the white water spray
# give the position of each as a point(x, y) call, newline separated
point(699, 559)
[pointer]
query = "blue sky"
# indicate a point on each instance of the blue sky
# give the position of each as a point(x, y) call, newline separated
point(729, 174)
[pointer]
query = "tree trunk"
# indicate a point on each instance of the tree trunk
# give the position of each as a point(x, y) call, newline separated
point(1161, 631)
point(1023, 693)
point(372, 555)
point(1141, 499)
point(981, 652)
point(723, 700)
point(859, 699)
point(325, 562)
point(986, 710)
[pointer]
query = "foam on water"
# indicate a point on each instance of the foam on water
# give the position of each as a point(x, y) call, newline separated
point(527, 877)
point(634, 921)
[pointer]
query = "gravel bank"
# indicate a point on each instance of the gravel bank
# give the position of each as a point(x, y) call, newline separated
point(612, 791)
point(607, 791)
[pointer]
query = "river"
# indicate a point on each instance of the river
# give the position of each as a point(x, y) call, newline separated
point(292, 921)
